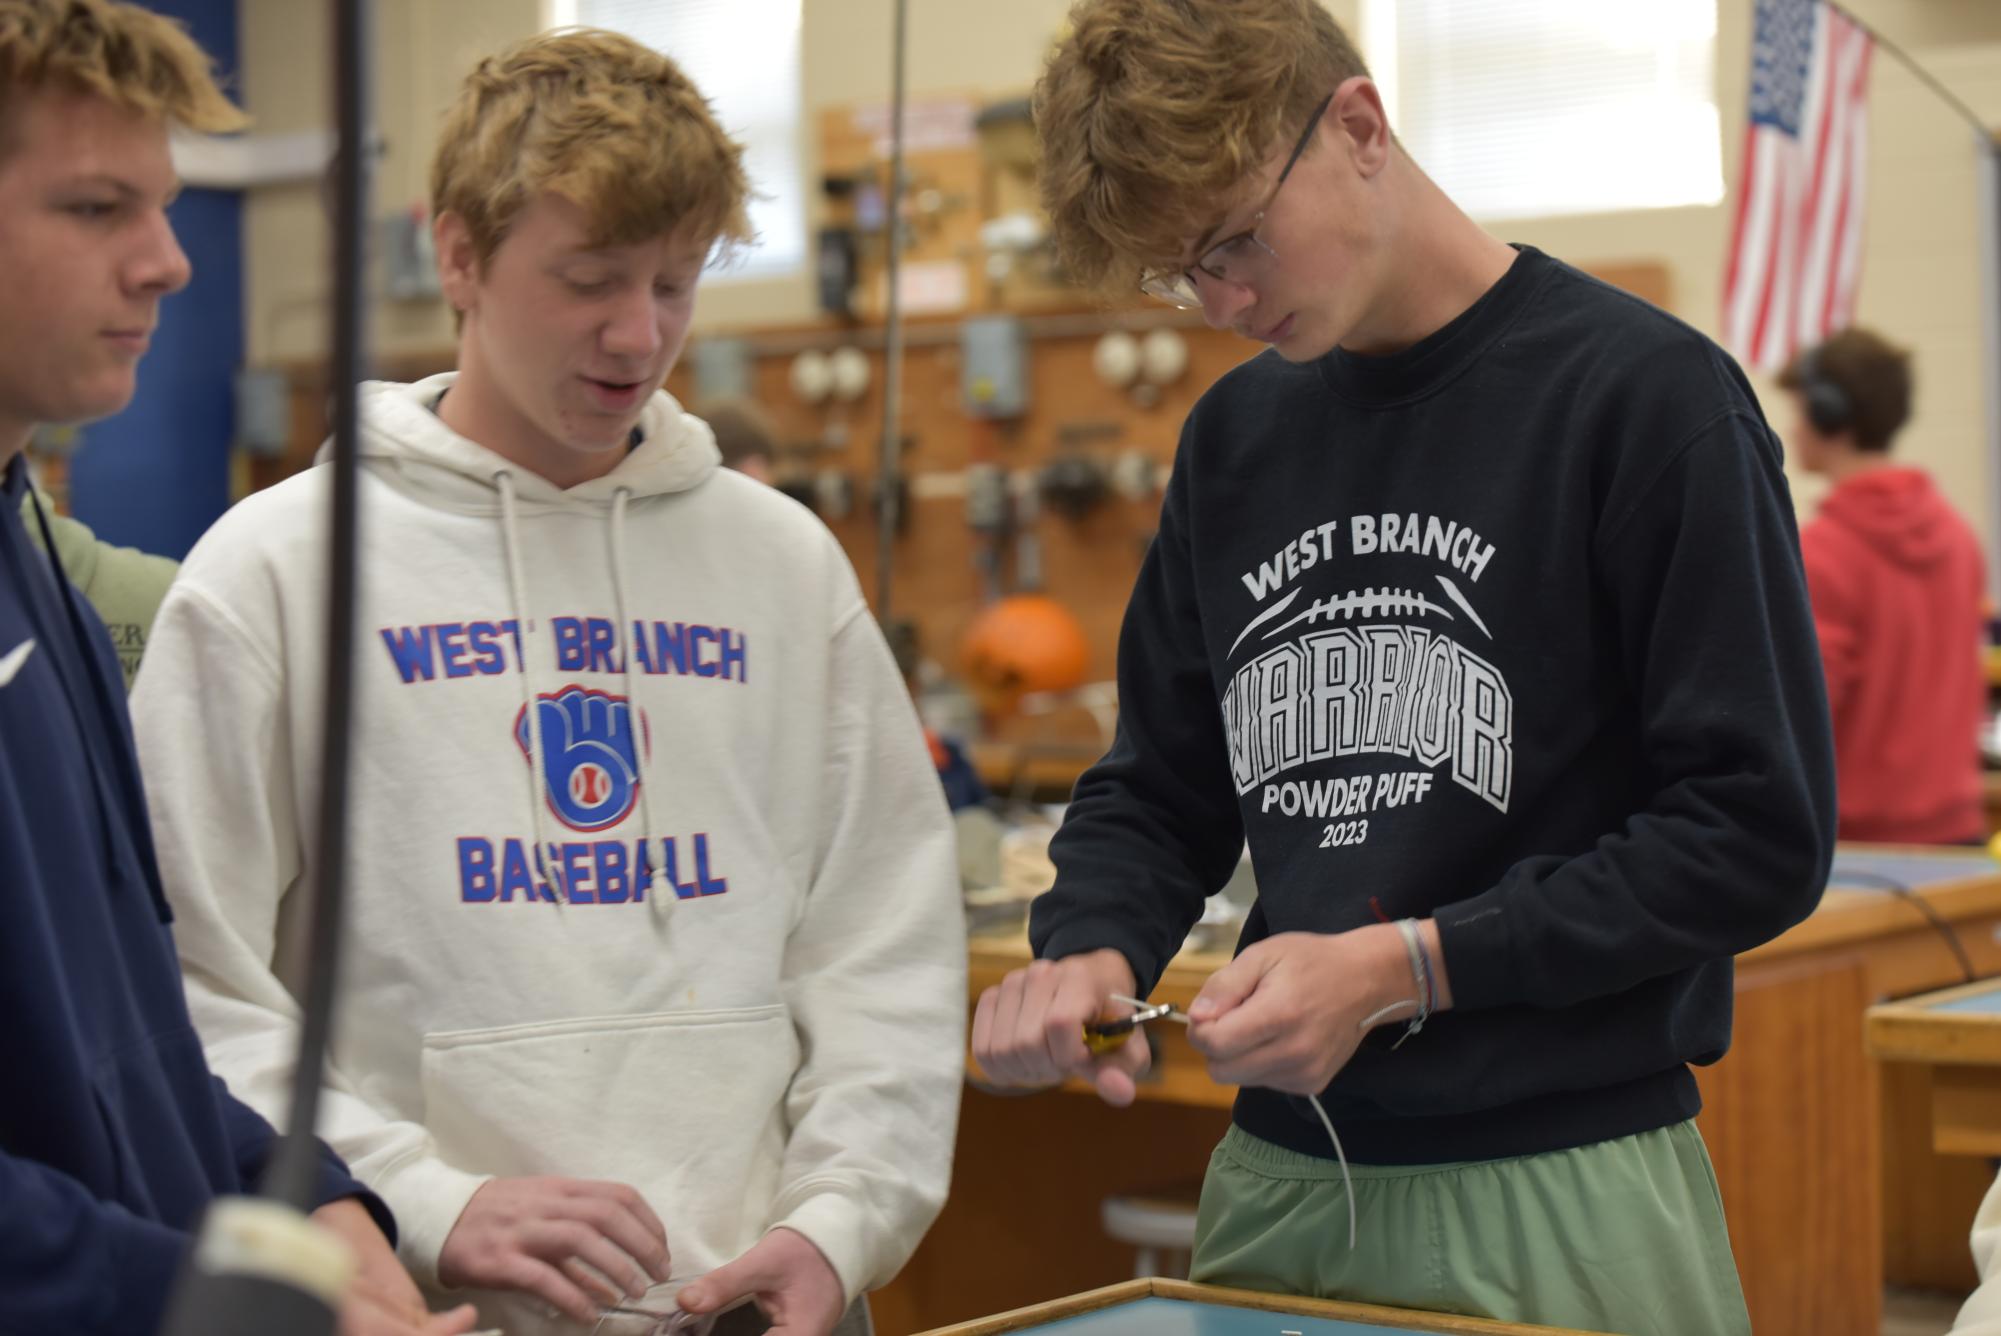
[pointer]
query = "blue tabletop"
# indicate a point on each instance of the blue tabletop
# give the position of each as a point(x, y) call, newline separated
point(1173, 1317)
point(1984, 1003)
point(1869, 872)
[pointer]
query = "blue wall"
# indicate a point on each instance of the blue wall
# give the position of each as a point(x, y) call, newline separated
point(157, 475)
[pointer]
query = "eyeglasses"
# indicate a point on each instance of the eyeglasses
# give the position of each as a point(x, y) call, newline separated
point(1241, 259)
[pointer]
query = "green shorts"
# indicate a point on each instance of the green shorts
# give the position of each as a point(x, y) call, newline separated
point(1621, 1236)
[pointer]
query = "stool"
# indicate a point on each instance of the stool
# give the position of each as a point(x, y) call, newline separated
point(1159, 1225)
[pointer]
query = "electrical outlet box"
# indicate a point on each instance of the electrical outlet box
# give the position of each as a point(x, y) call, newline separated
point(409, 259)
point(722, 369)
point(263, 411)
point(994, 360)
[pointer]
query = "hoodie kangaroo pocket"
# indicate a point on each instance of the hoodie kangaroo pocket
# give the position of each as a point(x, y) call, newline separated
point(687, 1107)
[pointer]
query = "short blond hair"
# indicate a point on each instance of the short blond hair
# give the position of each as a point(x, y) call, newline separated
point(1152, 111)
point(608, 124)
point(132, 57)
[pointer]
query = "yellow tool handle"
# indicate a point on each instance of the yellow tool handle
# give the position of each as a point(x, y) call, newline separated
point(1101, 1040)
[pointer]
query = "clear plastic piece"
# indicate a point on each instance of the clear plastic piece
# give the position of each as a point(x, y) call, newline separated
point(657, 1314)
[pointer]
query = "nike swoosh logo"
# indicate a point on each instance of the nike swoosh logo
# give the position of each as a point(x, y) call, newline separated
point(11, 664)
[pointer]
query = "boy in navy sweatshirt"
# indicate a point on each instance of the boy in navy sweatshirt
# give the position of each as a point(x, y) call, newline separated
point(113, 1134)
point(1476, 611)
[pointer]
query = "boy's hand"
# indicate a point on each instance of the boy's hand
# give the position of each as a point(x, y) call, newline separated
point(1287, 1014)
point(793, 1282)
point(382, 1300)
point(1028, 1029)
point(571, 1242)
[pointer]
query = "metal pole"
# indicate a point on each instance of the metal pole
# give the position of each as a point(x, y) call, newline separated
point(890, 470)
point(293, 1174)
point(1990, 320)
point(1924, 76)
point(259, 1266)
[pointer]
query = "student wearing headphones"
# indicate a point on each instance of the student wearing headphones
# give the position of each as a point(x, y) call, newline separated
point(1896, 578)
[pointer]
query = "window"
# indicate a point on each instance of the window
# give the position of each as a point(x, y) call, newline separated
point(1525, 108)
point(754, 87)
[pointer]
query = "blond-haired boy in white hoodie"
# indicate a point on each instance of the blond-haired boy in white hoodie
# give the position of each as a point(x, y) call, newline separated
point(716, 1025)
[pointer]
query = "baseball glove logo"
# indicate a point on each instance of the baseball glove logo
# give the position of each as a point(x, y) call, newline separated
point(590, 767)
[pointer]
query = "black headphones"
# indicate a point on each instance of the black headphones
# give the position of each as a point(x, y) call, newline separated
point(1827, 405)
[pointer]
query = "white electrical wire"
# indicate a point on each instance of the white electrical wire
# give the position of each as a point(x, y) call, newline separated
point(1347, 1180)
point(1347, 1183)
point(1340, 1155)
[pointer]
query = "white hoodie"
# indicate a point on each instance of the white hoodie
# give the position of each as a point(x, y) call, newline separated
point(775, 1039)
point(1982, 1314)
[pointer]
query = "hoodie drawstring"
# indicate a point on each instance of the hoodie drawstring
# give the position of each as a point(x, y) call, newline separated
point(538, 796)
point(663, 886)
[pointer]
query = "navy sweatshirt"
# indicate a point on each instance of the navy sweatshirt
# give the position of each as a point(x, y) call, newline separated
point(1508, 629)
point(113, 1133)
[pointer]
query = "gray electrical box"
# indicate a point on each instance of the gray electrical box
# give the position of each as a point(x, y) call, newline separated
point(263, 411)
point(994, 356)
point(722, 369)
point(409, 260)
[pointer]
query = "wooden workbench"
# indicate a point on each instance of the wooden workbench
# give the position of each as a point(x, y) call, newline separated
point(1151, 1307)
point(1952, 1039)
point(1824, 1162)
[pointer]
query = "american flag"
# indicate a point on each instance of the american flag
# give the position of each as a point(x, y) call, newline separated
point(1796, 253)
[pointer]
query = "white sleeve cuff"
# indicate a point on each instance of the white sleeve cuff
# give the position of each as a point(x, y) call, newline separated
point(840, 1229)
point(427, 1197)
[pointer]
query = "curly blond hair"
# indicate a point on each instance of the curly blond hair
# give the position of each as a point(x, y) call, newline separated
point(610, 125)
point(129, 56)
point(1152, 112)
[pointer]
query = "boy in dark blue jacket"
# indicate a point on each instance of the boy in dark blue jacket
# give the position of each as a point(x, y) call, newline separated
point(113, 1134)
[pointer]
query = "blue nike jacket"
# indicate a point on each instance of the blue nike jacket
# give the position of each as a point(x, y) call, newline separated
point(113, 1133)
